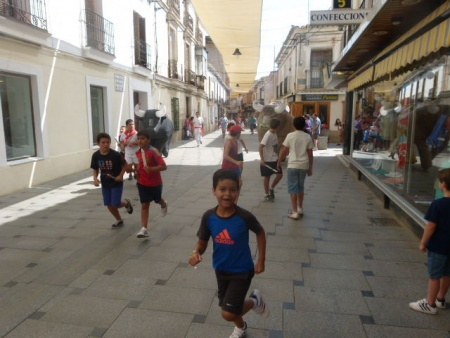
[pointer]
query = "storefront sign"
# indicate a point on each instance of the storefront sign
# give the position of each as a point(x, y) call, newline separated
point(338, 17)
point(320, 97)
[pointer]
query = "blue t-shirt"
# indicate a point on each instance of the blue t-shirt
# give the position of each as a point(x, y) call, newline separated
point(231, 249)
point(439, 213)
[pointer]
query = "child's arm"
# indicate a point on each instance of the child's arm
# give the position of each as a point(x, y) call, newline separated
point(95, 177)
point(428, 232)
point(243, 145)
point(261, 153)
point(282, 155)
point(196, 255)
point(261, 242)
point(159, 167)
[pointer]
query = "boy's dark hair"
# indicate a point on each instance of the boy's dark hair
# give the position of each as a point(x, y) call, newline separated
point(144, 132)
point(274, 123)
point(128, 121)
point(230, 124)
point(225, 174)
point(444, 177)
point(102, 135)
point(299, 122)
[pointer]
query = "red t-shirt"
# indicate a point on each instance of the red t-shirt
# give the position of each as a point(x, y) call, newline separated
point(153, 158)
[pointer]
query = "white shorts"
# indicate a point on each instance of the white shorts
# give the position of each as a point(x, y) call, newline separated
point(131, 158)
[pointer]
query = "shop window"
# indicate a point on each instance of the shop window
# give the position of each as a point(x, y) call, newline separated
point(17, 114)
point(97, 112)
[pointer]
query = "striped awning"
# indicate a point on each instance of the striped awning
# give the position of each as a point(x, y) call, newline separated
point(362, 79)
point(415, 45)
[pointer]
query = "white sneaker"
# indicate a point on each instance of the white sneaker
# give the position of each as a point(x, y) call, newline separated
point(423, 306)
point(164, 210)
point(143, 233)
point(293, 215)
point(441, 304)
point(239, 333)
point(260, 307)
point(300, 211)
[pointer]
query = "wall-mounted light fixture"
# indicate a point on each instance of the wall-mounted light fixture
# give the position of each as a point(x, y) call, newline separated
point(237, 52)
point(396, 21)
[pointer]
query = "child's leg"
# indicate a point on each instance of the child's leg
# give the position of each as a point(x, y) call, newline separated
point(277, 179)
point(266, 184)
point(162, 203)
point(443, 287)
point(115, 212)
point(294, 198)
point(300, 199)
point(433, 289)
point(238, 320)
point(145, 211)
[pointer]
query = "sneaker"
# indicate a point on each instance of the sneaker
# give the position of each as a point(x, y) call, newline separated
point(272, 194)
point(143, 233)
point(440, 303)
point(267, 198)
point(239, 333)
point(293, 215)
point(164, 210)
point(117, 224)
point(300, 211)
point(260, 306)
point(423, 306)
point(129, 206)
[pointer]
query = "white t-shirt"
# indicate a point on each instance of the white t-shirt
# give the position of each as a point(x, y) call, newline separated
point(270, 143)
point(298, 143)
point(198, 122)
point(130, 150)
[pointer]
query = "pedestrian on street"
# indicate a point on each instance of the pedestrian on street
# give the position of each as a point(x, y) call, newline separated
point(231, 159)
point(149, 180)
point(228, 225)
point(316, 125)
point(268, 152)
point(198, 128)
point(223, 123)
point(128, 140)
point(111, 166)
point(436, 240)
point(299, 146)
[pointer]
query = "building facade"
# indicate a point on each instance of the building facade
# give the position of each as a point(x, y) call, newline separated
point(69, 70)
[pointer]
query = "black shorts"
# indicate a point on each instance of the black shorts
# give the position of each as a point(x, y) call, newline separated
point(240, 157)
point(233, 288)
point(149, 194)
point(267, 172)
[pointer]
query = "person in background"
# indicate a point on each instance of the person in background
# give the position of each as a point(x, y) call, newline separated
point(340, 128)
point(128, 140)
point(198, 127)
point(315, 129)
point(252, 122)
point(223, 123)
point(436, 241)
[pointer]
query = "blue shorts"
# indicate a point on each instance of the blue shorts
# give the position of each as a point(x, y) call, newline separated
point(296, 180)
point(438, 265)
point(112, 196)
point(149, 194)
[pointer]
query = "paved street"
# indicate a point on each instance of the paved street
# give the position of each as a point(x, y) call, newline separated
point(348, 268)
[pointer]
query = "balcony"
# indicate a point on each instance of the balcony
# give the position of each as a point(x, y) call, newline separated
point(189, 22)
point(31, 12)
point(99, 37)
point(175, 7)
point(173, 69)
point(24, 20)
point(142, 55)
point(200, 82)
point(189, 77)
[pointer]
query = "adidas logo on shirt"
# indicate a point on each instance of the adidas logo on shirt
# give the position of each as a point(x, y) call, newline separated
point(224, 238)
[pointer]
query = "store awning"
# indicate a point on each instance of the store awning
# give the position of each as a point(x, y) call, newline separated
point(418, 43)
point(362, 79)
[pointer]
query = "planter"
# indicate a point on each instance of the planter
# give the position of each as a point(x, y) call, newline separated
point(322, 142)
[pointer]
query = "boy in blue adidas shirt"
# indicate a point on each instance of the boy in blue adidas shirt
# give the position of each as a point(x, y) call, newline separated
point(228, 225)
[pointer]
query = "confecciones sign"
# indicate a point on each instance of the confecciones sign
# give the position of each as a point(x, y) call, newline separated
point(338, 17)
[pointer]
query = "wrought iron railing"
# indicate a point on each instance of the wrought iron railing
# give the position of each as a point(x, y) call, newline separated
point(175, 6)
point(200, 82)
point(189, 77)
point(173, 71)
point(99, 32)
point(31, 12)
point(189, 22)
point(142, 53)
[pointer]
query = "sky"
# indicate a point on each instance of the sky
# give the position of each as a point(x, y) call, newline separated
point(277, 18)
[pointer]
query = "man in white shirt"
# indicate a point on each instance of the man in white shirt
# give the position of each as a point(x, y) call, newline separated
point(198, 125)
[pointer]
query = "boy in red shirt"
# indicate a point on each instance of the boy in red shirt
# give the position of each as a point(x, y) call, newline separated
point(149, 180)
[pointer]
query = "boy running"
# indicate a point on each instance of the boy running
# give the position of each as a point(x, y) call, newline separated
point(228, 225)
point(149, 180)
point(268, 151)
point(111, 166)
